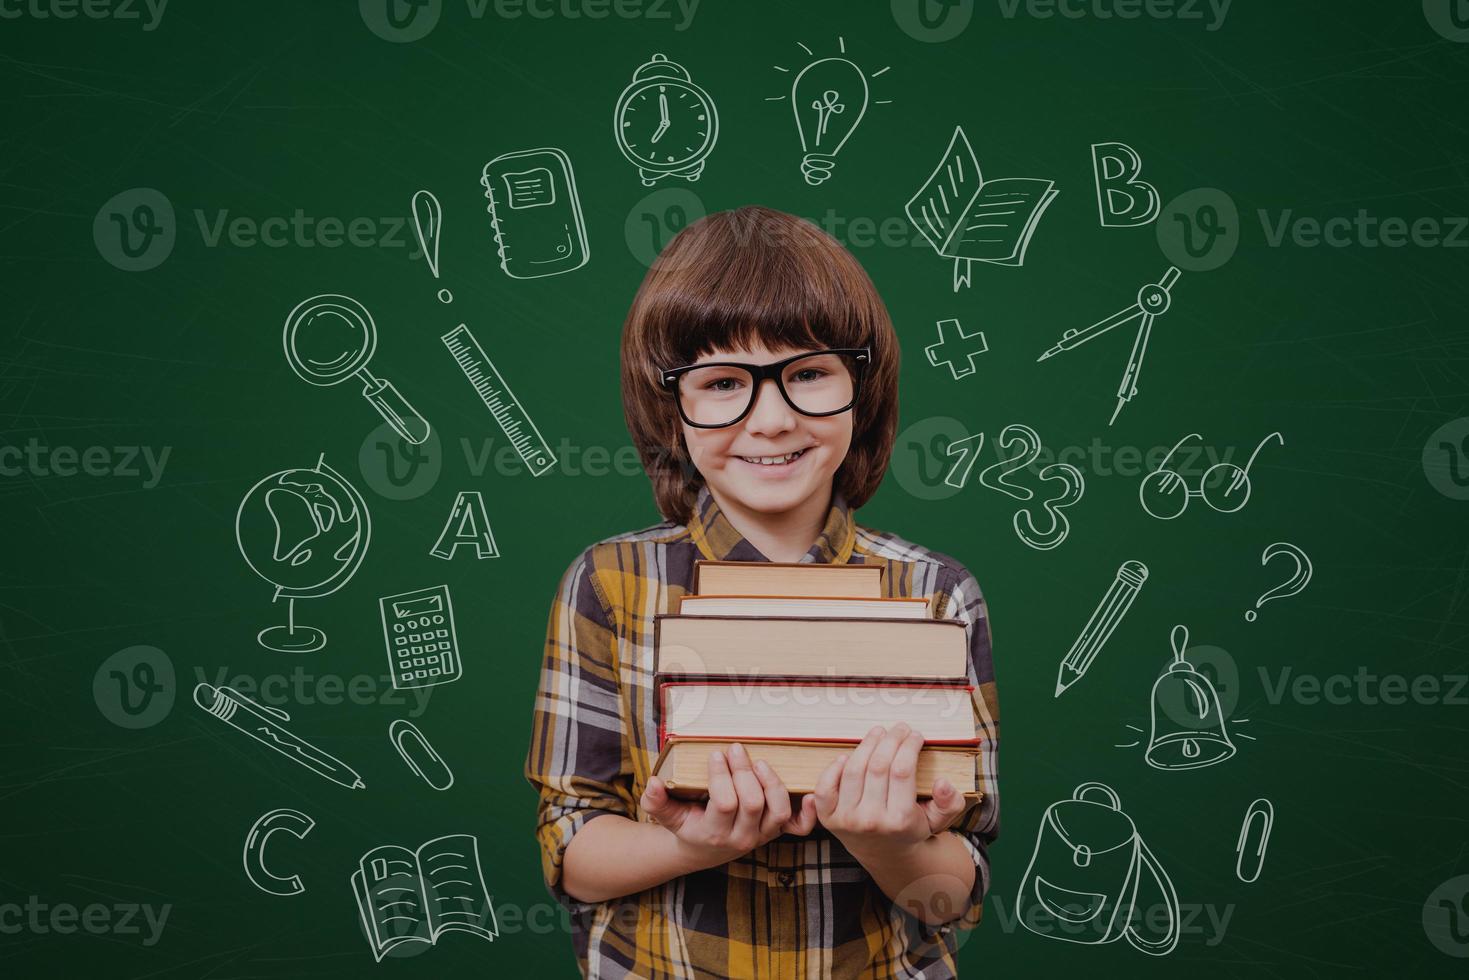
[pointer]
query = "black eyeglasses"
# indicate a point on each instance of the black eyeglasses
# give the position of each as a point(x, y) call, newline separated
point(720, 393)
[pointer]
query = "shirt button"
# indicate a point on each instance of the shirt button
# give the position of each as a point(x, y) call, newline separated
point(786, 878)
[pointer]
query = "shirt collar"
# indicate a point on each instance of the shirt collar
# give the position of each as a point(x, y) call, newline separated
point(718, 540)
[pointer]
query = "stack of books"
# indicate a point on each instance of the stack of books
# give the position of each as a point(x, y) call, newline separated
point(797, 662)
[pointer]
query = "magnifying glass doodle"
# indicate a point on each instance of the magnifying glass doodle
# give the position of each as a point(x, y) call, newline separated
point(330, 338)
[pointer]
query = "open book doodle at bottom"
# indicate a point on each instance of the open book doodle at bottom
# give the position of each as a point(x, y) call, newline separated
point(416, 896)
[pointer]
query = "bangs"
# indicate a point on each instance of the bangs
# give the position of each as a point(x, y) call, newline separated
point(744, 282)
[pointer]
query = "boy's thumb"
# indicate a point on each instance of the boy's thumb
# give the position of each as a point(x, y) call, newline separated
point(662, 807)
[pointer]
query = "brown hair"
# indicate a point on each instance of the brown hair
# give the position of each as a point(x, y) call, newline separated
point(753, 274)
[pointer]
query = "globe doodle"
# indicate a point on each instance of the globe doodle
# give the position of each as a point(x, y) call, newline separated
point(305, 531)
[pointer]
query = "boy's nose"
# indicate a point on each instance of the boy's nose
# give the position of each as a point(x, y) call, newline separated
point(771, 413)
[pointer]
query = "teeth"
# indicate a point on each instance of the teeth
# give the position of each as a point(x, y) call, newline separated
point(772, 460)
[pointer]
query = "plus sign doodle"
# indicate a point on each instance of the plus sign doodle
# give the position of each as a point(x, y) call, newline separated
point(947, 351)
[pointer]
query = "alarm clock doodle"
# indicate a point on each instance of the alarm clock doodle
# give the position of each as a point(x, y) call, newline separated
point(665, 124)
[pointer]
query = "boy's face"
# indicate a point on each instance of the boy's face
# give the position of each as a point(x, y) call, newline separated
point(728, 458)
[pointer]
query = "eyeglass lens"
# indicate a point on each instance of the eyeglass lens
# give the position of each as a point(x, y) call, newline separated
point(816, 385)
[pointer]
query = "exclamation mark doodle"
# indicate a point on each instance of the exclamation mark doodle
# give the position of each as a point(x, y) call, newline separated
point(427, 217)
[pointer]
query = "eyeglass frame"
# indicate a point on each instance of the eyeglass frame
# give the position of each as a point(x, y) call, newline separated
point(862, 356)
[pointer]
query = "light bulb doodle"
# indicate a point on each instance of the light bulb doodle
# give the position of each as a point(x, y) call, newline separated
point(829, 97)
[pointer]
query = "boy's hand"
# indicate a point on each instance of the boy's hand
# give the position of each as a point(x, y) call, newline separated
point(748, 806)
point(868, 798)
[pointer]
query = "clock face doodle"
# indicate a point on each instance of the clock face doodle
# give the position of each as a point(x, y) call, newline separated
point(664, 123)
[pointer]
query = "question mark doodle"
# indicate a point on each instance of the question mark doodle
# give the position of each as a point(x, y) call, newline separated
point(1291, 586)
point(427, 219)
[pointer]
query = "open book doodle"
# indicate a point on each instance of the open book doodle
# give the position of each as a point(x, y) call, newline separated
point(969, 219)
point(408, 896)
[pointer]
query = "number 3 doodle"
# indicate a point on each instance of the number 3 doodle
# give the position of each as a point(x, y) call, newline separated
point(1028, 446)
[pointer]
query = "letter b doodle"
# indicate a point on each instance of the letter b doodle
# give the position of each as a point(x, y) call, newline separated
point(1123, 201)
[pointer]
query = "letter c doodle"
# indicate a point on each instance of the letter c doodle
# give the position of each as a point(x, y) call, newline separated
point(293, 822)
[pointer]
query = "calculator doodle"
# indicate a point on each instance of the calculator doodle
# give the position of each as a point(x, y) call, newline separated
point(418, 628)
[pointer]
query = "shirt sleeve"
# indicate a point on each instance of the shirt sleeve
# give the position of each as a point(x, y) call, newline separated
point(978, 826)
point(575, 760)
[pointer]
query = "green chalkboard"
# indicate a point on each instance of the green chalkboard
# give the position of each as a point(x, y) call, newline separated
point(178, 177)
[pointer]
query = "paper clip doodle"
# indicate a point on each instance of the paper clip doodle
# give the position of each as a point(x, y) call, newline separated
point(1249, 861)
point(419, 755)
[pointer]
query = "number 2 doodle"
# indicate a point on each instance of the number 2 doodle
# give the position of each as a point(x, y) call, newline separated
point(997, 476)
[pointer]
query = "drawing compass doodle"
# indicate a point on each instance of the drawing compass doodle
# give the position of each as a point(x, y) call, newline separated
point(1153, 300)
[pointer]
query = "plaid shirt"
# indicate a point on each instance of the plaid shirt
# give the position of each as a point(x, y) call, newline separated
point(794, 908)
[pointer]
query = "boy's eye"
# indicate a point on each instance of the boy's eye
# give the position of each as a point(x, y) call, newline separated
point(723, 384)
point(808, 375)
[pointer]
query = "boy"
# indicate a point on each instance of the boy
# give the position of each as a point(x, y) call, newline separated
point(861, 879)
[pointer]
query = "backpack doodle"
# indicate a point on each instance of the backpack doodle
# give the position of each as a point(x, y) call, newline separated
point(1085, 882)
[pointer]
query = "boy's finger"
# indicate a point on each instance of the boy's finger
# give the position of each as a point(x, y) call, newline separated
point(747, 787)
point(825, 793)
point(945, 807)
point(855, 771)
point(724, 802)
point(879, 766)
point(804, 819)
point(903, 776)
point(777, 799)
point(662, 807)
